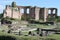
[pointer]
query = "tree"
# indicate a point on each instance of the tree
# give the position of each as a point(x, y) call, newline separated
point(13, 4)
point(57, 19)
point(1, 15)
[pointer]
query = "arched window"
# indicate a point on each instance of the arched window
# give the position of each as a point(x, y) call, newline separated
point(28, 11)
point(49, 11)
point(22, 10)
point(54, 11)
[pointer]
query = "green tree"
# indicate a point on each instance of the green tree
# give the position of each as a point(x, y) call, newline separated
point(1, 15)
point(13, 4)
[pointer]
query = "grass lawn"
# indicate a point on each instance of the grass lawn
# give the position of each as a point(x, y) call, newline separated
point(3, 27)
point(50, 37)
point(16, 37)
point(40, 26)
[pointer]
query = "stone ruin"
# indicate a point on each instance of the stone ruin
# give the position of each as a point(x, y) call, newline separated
point(37, 13)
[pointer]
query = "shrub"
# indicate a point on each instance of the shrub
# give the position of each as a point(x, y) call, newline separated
point(5, 21)
point(12, 18)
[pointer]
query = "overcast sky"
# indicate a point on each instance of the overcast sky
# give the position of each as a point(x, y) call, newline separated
point(39, 3)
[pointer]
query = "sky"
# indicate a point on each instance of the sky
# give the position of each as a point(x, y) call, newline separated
point(38, 3)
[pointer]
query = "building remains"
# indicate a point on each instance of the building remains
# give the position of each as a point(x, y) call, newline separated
point(36, 13)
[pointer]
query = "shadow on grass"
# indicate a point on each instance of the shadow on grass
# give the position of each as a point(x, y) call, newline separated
point(7, 38)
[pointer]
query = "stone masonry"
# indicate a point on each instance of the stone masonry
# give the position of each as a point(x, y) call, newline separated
point(36, 13)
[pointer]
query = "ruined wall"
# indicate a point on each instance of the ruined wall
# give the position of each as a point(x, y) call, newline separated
point(7, 12)
point(12, 12)
point(4, 13)
point(32, 13)
point(45, 14)
point(37, 9)
point(41, 15)
point(52, 14)
point(15, 14)
point(36, 13)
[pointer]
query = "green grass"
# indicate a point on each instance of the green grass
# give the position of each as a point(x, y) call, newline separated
point(4, 27)
point(56, 36)
point(50, 37)
point(25, 33)
point(40, 26)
